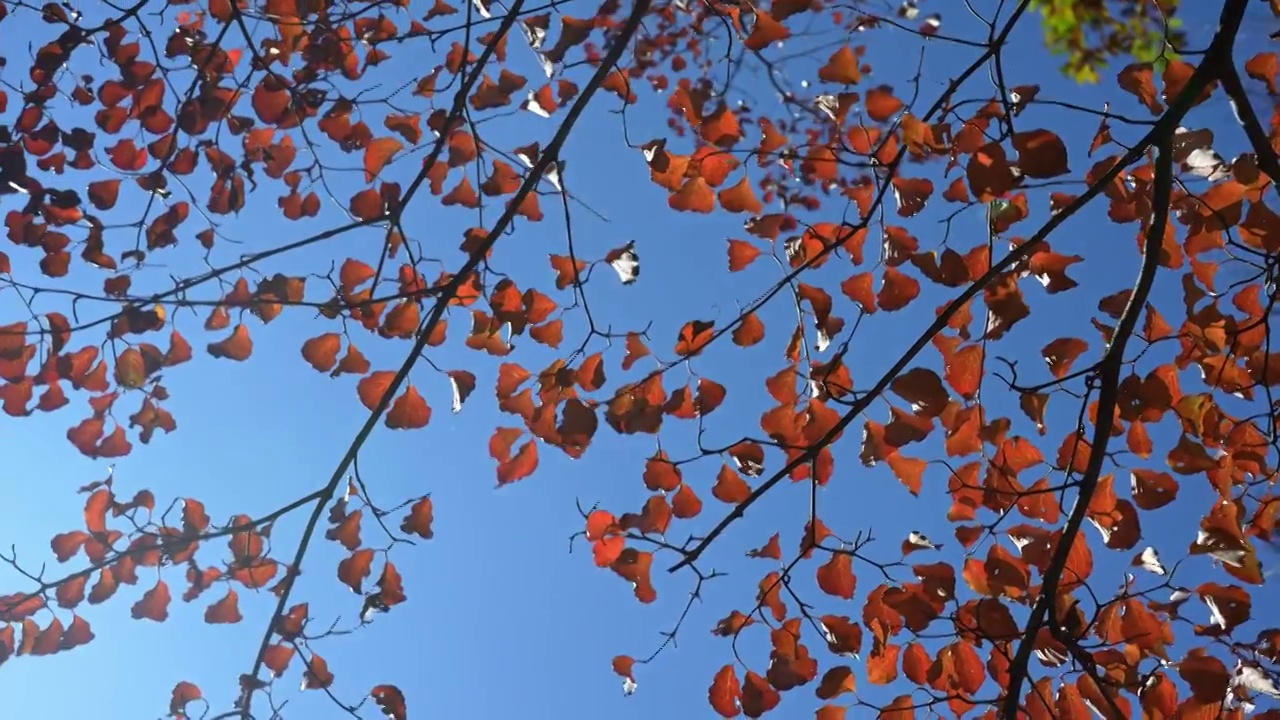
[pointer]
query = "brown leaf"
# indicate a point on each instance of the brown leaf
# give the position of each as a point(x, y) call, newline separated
point(1041, 154)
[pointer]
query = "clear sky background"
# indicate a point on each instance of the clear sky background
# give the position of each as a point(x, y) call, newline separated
point(502, 620)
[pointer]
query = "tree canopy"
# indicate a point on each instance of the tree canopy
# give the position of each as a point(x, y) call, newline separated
point(946, 388)
point(1092, 34)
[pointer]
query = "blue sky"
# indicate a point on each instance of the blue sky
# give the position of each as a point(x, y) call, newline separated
point(501, 618)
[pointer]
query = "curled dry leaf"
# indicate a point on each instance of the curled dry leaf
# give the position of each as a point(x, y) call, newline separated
point(391, 701)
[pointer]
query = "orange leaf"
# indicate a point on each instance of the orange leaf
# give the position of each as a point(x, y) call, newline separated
point(837, 681)
point(1153, 489)
point(277, 658)
point(322, 351)
point(1062, 353)
point(882, 104)
point(764, 33)
point(419, 519)
point(1206, 675)
point(924, 390)
point(154, 604)
point(897, 291)
point(693, 196)
point(183, 693)
point(732, 625)
point(601, 523)
point(730, 487)
point(882, 667)
point(758, 696)
point(353, 274)
point(347, 532)
point(237, 346)
point(661, 474)
point(225, 611)
point(741, 198)
point(131, 370)
point(837, 712)
point(519, 466)
point(402, 320)
point(694, 336)
point(317, 675)
point(409, 411)
point(354, 569)
point(374, 386)
point(749, 332)
point(741, 254)
point(909, 471)
point(725, 692)
point(391, 700)
point(964, 370)
point(771, 550)
point(836, 576)
point(377, 154)
point(634, 566)
point(842, 67)
point(685, 504)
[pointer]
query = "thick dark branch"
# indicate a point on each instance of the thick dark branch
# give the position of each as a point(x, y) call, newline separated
point(1258, 138)
point(1218, 56)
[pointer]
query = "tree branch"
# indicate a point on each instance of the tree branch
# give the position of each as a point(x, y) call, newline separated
point(1217, 56)
point(549, 155)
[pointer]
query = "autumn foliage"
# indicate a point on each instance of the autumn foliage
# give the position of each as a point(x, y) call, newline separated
point(922, 299)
